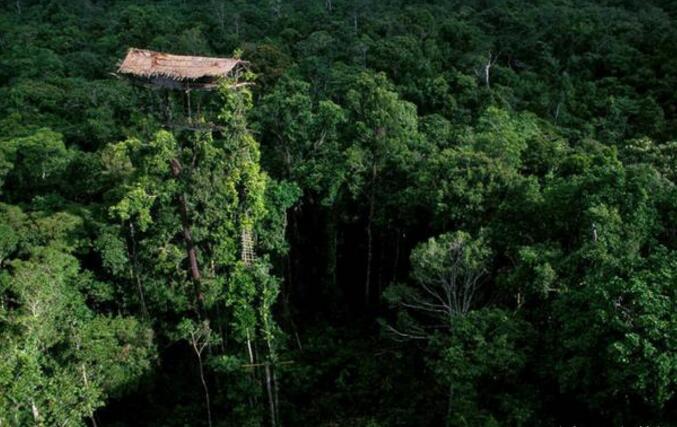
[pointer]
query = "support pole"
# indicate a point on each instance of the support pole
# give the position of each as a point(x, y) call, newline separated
point(190, 115)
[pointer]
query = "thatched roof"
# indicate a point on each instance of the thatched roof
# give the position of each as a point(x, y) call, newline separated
point(150, 64)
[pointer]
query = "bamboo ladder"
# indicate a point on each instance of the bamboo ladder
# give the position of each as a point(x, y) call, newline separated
point(247, 245)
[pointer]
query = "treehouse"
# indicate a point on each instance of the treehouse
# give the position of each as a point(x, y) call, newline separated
point(178, 72)
point(169, 72)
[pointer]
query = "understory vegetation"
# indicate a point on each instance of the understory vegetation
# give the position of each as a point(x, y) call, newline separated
point(462, 213)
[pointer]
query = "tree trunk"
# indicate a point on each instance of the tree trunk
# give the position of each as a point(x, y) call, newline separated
point(276, 391)
point(295, 256)
point(135, 270)
point(288, 284)
point(188, 236)
point(332, 241)
point(370, 240)
point(222, 334)
point(271, 399)
point(487, 69)
point(249, 349)
point(188, 107)
point(381, 255)
point(36, 413)
point(447, 422)
point(205, 388)
point(396, 258)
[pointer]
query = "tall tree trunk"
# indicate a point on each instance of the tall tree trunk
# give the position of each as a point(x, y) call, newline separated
point(188, 106)
point(332, 242)
point(36, 413)
point(271, 398)
point(222, 334)
point(381, 254)
point(487, 69)
point(370, 239)
point(295, 255)
point(396, 258)
point(276, 391)
point(188, 237)
point(250, 350)
point(287, 284)
point(447, 422)
point(205, 388)
point(135, 272)
point(166, 98)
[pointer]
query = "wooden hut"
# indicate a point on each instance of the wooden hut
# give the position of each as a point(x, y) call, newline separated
point(179, 72)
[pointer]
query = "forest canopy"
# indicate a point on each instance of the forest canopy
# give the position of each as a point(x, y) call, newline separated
point(402, 213)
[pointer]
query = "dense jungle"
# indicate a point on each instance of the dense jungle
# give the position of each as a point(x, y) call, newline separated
point(403, 213)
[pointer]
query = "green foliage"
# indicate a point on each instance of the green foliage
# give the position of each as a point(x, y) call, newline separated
point(482, 361)
point(34, 164)
point(151, 272)
point(60, 359)
point(384, 128)
point(629, 323)
point(469, 350)
point(305, 137)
